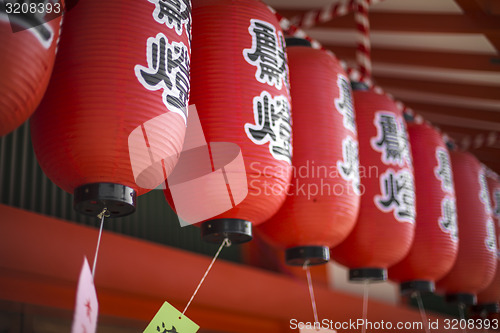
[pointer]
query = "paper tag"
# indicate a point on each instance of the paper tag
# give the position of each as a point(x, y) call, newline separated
point(86, 307)
point(169, 320)
point(313, 330)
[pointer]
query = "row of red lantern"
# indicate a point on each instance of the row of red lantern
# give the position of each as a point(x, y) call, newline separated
point(108, 86)
point(326, 135)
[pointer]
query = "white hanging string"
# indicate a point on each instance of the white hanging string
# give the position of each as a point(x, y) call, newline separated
point(481, 314)
point(421, 308)
point(365, 304)
point(461, 310)
point(102, 215)
point(226, 242)
point(311, 291)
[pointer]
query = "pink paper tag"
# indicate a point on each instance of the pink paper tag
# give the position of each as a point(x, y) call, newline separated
point(86, 307)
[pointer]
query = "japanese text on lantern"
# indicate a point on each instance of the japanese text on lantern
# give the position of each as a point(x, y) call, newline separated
point(267, 54)
point(391, 139)
point(272, 124)
point(491, 241)
point(168, 62)
point(484, 194)
point(344, 103)
point(168, 69)
point(271, 113)
point(349, 166)
point(175, 14)
point(443, 170)
point(448, 219)
point(398, 195)
point(496, 203)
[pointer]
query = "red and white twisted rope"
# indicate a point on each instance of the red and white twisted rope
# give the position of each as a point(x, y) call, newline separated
point(292, 30)
point(326, 14)
point(363, 54)
point(480, 140)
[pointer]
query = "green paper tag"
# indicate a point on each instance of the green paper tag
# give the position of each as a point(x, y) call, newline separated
point(169, 320)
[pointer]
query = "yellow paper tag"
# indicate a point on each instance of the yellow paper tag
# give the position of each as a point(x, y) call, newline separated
point(170, 320)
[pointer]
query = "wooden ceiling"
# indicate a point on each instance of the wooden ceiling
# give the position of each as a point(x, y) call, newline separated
point(439, 57)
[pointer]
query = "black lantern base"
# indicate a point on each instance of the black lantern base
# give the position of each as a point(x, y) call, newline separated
point(296, 41)
point(461, 298)
point(486, 307)
point(359, 86)
point(420, 286)
point(91, 199)
point(236, 230)
point(313, 255)
point(370, 274)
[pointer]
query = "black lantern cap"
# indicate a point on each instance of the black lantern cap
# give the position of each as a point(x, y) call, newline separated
point(235, 230)
point(296, 41)
point(420, 286)
point(312, 255)
point(91, 199)
point(461, 298)
point(371, 274)
point(359, 86)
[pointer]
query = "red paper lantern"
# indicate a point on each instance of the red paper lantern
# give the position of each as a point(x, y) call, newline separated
point(113, 120)
point(239, 85)
point(385, 228)
point(490, 297)
point(26, 62)
point(476, 262)
point(322, 202)
point(435, 245)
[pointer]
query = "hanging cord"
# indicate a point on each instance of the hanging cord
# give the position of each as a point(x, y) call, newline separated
point(483, 315)
point(421, 308)
point(363, 50)
point(225, 242)
point(311, 291)
point(366, 289)
point(461, 310)
point(102, 215)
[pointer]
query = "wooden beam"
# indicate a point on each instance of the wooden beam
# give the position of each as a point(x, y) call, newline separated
point(484, 126)
point(464, 130)
point(412, 22)
point(472, 7)
point(485, 157)
point(462, 112)
point(448, 60)
point(476, 12)
point(489, 154)
point(491, 7)
point(436, 87)
point(40, 259)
